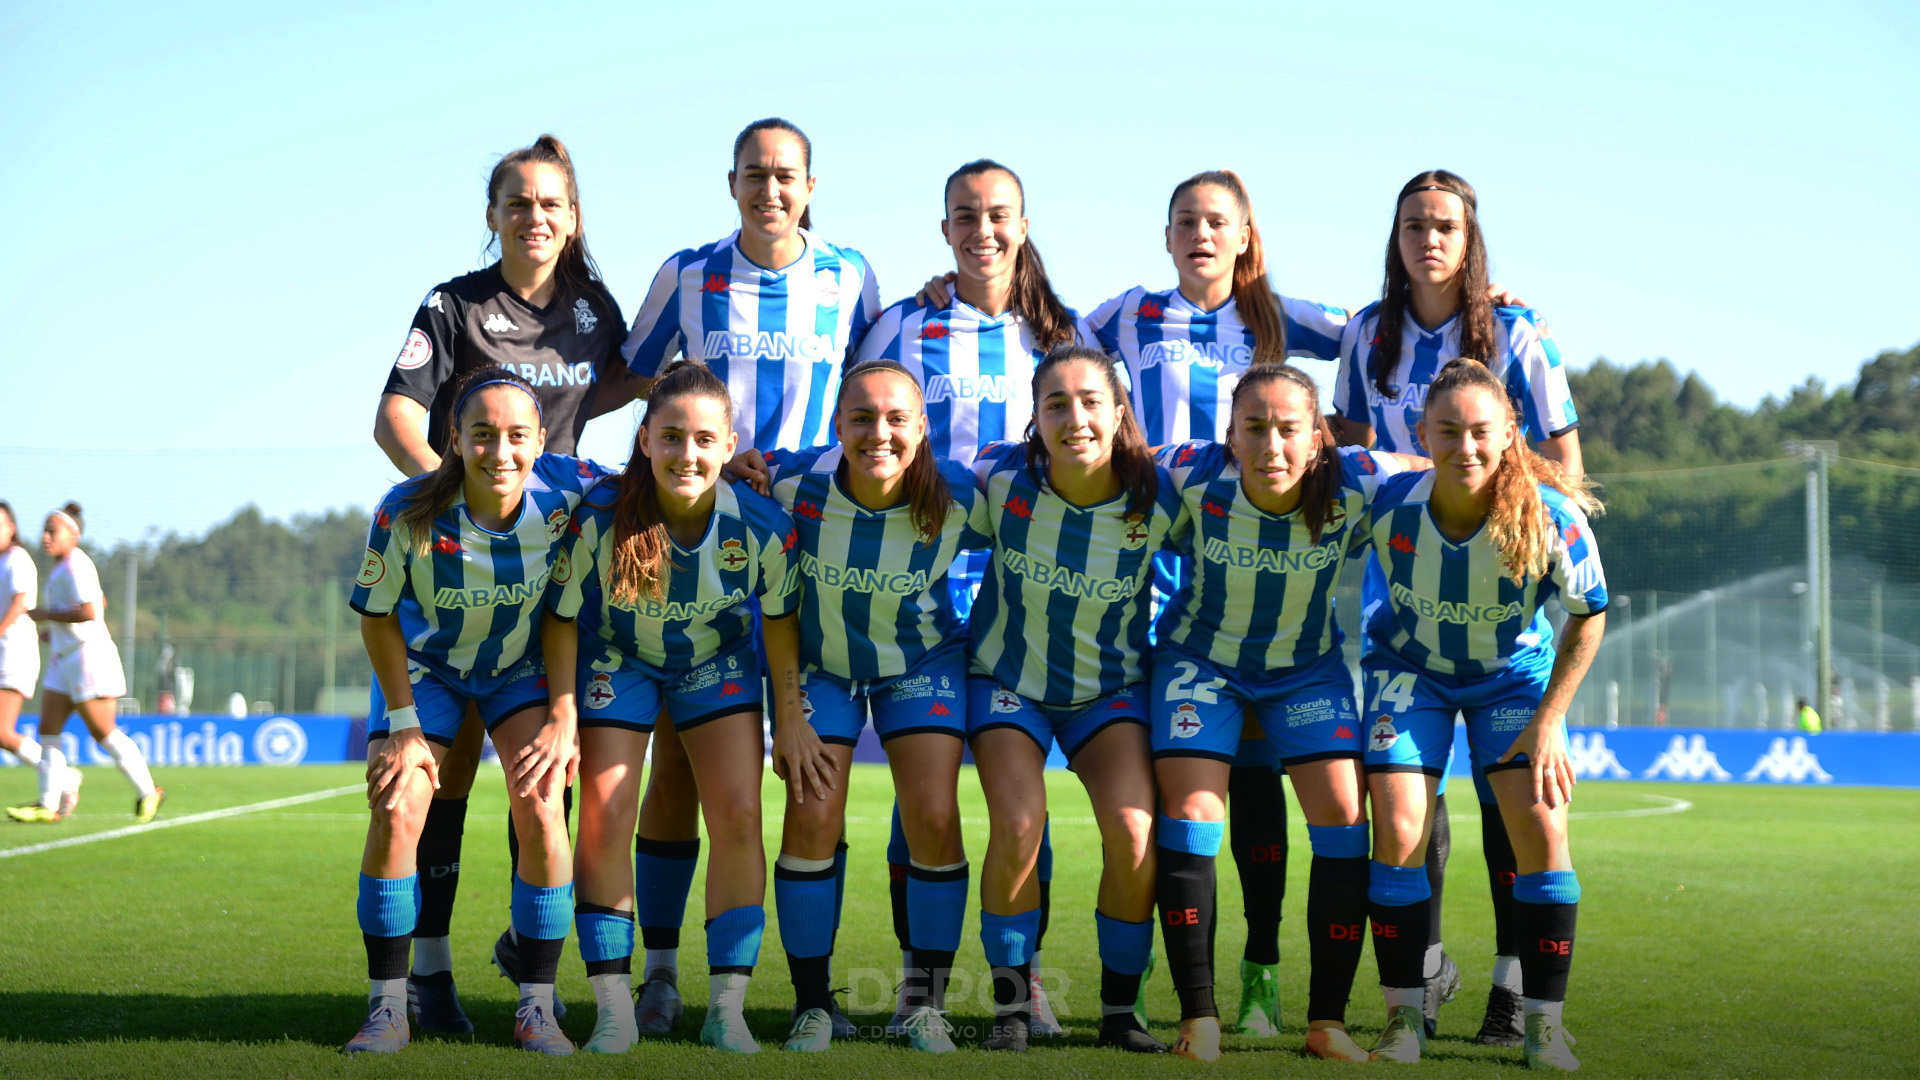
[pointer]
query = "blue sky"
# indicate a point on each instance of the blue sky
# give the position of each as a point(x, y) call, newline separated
point(223, 216)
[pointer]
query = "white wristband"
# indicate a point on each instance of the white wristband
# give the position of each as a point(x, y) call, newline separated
point(401, 719)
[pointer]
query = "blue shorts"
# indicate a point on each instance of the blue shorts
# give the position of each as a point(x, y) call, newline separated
point(1410, 714)
point(990, 705)
point(929, 697)
point(441, 699)
point(621, 691)
point(1307, 712)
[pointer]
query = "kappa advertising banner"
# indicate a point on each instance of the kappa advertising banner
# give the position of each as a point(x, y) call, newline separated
point(1733, 756)
point(218, 740)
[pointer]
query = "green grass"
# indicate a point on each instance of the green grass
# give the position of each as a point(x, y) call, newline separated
point(1766, 931)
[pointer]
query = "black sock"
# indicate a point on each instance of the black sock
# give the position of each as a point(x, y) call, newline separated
point(1257, 816)
point(1046, 910)
point(540, 959)
point(1501, 869)
point(387, 956)
point(927, 980)
point(897, 889)
point(438, 858)
point(1336, 933)
point(1400, 942)
point(1010, 988)
point(1119, 990)
point(1546, 955)
point(1439, 846)
point(811, 977)
point(1186, 894)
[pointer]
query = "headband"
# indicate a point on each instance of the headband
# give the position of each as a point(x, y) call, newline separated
point(460, 406)
point(1468, 199)
point(68, 518)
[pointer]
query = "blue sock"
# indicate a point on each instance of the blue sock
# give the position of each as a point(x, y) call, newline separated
point(604, 935)
point(1192, 837)
point(733, 939)
point(1008, 939)
point(1397, 886)
point(388, 907)
point(662, 878)
point(936, 906)
point(542, 912)
point(1124, 946)
point(1340, 841)
point(803, 896)
point(897, 853)
point(1547, 887)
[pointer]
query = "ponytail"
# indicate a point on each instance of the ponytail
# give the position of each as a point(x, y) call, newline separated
point(1477, 336)
point(928, 494)
point(641, 563)
point(576, 272)
point(1320, 483)
point(774, 123)
point(1252, 294)
point(1517, 519)
point(436, 491)
point(1130, 459)
point(1033, 297)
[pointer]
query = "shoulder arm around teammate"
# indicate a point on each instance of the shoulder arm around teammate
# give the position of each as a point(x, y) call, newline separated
point(427, 360)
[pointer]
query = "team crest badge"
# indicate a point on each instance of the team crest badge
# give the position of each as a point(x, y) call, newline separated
point(827, 286)
point(1005, 701)
point(806, 704)
point(556, 524)
point(1186, 722)
point(732, 555)
point(1383, 736)
point(600, 690)
point(1336, 519)
point(1135, 536)
point(584, 320)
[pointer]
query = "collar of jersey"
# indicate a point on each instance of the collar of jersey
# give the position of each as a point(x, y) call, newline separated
point(806, 252)
point(1196, 313)
point(1451, 545)
point(1439, 331)
point(511, 297)
point(1240, 495)
point(460, 504)
point(980, 318)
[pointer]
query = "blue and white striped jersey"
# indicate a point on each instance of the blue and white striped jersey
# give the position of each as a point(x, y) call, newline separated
point(1063, 614)
point(777, 338)
point(1260, 597)
point(1530, 366)
point(873, 592)
point(470, 607)
point(975, 369)
point(1452, 608)
point(749, 551)
point(1184, 362)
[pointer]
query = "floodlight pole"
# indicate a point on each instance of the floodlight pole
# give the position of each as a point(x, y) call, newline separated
point(1819, 455)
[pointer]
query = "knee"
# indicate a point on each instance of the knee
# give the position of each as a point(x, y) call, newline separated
point(734, 819)
point(1016, 833)
point(932, 824)
point(813, 830)
point(1129, 828)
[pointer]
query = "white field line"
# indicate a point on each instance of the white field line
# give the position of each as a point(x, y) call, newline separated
point(190, 819)
point(1668, 805)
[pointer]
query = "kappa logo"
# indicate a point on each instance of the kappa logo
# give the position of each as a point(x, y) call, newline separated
point(1214, 508)
point(1403, 544)
point(556, 524)
point(600, 690)
point(416, 352)
point(731, 555)
point(792, 541)
point(1790, 763)
point(1186, 722)
point(810, 510)
point(1365, 461)
point(584, 320)
point(1185, 455)
point(1343, 732)
point(937, 709)
point(730, 689)
point(1688, 759)
point(1004, 701)
point(934, 331)
point(1136, 534)
point(1572, 532)
point(448, 545)
point(497, 323)
point(383, 519)
point(1150, 310)
point(714, 284)
point(1593, 759)
point(1018, 507)
point(1383, 735)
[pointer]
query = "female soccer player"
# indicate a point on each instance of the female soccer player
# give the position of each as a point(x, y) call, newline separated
point(19, 649)
point(540, 310)
point(775, 311)
point(663, 570)
point(1252, 628)
point(1471, 551)
point(973, 353)
point(1436, 304)
point(83, 675)
point(1058, 640)
point(882, 520)
point(457, 565)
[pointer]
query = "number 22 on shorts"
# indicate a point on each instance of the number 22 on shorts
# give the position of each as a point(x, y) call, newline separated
point(1182, 688)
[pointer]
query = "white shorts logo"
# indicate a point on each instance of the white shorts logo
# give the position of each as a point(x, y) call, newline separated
point(1383, 736)
point(280, 741)
point(1005, 701)
point(416, 352)
point(1186, 722)
point(600, 691)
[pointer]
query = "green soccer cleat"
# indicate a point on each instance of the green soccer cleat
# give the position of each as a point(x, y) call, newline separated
point(146, 806)
point(1140, 997)
point(33, 814)
point(928, 1031)
point(1405, 1037)
point(812, 1032)
point(729, 1032)
point(535, 1029)
point(1259, 1000)
point(385, 1031)
point(1549, 1045)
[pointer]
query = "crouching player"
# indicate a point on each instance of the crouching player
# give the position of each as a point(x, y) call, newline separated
point(1471, 551)
point(663, 572)
point(450, 592)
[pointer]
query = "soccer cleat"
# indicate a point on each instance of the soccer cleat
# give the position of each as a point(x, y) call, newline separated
point(1440, 990)
point(1008, 1033)
point(897, 1023)
point(614, 1032)
point(1199, 1039)
point(729, 1032)
point(1404, 1039)
point(1333, 1044)
point(70, 795)
point(506, 958)
point(1041, 1024)
point(434, 1005)
point(928, 1031)
point(146, 806)
point(843, 1025)
point(656, 1007)
point(1259, 999)
point(385, 1031)
point(1502, 1027)
point(33, 814)
point(1549, 1045)
point(812, 1032)
point(1124, 1031)
point(535, 1029)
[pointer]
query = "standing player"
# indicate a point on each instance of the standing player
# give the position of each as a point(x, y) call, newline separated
point(19, 648)
point(774, 311)
point(1252, 629)
point(882, 521)
point(542, 311)
point(1059, 638)
point(1436, 304)
point(973, 355)
point(663, 570)
point(83, 675)
point(456, 569)
point(1471, 551)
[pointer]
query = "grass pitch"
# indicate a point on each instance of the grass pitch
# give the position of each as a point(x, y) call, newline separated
point(1760, 932)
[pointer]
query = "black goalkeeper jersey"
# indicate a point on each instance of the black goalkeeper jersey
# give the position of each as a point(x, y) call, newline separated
point(477, 320)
